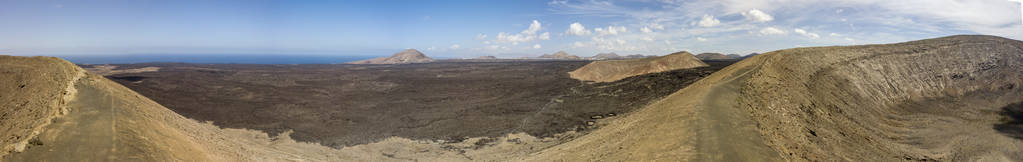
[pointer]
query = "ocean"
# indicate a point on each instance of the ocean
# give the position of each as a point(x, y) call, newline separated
point(212, 58)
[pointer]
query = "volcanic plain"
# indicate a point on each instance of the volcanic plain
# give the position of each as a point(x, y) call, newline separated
point(345, 105)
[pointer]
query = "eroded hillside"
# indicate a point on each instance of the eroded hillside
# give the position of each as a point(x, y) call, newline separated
point(937, 99)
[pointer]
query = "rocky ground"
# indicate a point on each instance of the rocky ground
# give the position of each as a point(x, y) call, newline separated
point(346, 105)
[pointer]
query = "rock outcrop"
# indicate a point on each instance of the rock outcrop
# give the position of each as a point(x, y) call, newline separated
point(404, 57)
point(936, 99)
point(612, 70)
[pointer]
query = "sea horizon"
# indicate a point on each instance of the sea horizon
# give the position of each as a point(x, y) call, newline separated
point(211, 58)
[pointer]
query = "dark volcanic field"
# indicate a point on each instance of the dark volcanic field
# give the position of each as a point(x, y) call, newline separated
point(344, 105)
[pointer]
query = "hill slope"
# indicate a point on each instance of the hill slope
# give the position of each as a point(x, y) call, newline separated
point(64, 114)
point(404, 57)
point(612, 70)
point(940, 99)
point(560, 55)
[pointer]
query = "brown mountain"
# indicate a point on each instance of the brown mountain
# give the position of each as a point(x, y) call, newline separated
point(946, 99)
point(53, 110)
point(635, 56)
point(404, 57)
point(486, 58)
point(613, 70)
point(560, 55)
point(605, 56)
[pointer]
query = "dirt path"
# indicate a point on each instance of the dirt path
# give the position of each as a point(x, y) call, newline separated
point(76, 135)
point(724, 131)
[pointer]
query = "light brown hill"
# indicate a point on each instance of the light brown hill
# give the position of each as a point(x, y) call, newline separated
point(55, 111)
point(562, 55)
point(946, 99)
point(612, 70)
point(404, 57)
point(605, 56)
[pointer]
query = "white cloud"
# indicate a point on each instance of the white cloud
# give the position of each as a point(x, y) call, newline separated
point(533, 28)
point(486, 42)
point(610, 30)
point(872, 21)
point(657, 26)
point(709, 21)
point(806, 34)
point(431, 48)
point(525, 36)
point(648, 39)
point(701, 39)
point(771, 31)
point(579, 44)
point(512, 38)
point(577, 29)
point(835, 35)
point(481, 36)
point(537, 46)
point(757, 16)
point(455, 46)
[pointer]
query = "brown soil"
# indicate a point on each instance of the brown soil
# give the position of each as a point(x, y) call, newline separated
point(935, 99)
point(89, 118)
point(346, 105)
point(30, 96)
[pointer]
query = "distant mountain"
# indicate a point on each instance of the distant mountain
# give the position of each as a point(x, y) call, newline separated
point(605, 56)
point(560, 55)
point(486, 58)
point(404, 57)
point(750, 55)
point(635, 56)
point(717, 56)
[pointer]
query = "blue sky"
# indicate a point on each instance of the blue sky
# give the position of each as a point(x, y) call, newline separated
point(476, 28)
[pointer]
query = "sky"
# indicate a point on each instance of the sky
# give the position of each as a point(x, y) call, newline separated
point(461, 29)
